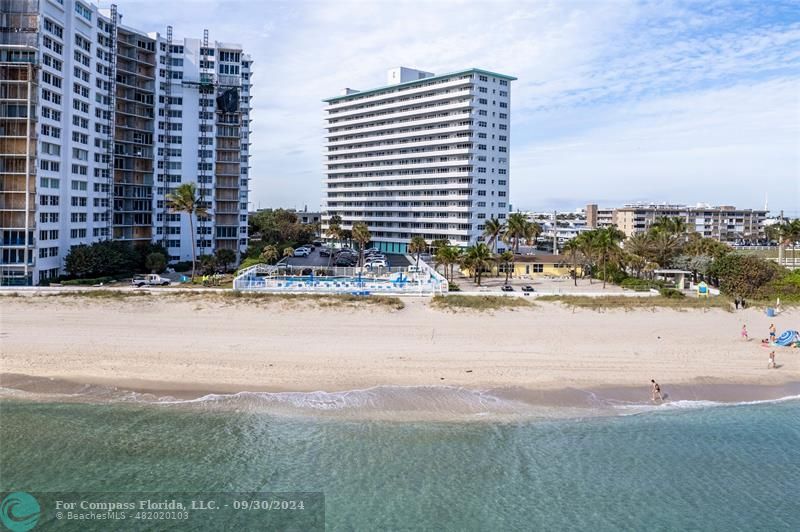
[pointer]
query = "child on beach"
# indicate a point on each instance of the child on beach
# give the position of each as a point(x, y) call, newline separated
point(656, 390)
point(772, 333)
point(744, 333)
point(771, 363)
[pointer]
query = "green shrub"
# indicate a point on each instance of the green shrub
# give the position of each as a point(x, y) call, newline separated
point(88, 282)
point(453, 287)
point(250, 261)
point(183, 266)
point(671, 293)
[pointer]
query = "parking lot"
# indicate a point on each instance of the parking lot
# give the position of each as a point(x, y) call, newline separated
point(315, 260)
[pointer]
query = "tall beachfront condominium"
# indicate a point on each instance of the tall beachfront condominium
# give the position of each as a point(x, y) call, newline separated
point(424, 155)
point(99, 122)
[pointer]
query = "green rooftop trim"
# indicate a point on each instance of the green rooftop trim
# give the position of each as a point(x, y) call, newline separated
point(418, 81)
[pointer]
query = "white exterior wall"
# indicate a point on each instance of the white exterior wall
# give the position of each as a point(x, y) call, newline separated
point(427, 157)
point(65, 175)
point(187, 53)
point(50, 252)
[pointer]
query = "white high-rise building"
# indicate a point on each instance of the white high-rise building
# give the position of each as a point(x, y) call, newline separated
point(424, 155)
point(99, 121)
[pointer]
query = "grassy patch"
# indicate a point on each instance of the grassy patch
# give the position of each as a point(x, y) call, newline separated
point(458, 302)
point(322, 300)
point(211, 296)
point(634, 303)
point(100, 294)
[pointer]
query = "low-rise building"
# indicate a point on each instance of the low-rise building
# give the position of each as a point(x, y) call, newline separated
point(724, 223)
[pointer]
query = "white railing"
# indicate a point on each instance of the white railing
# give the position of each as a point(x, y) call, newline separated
point(336, 280)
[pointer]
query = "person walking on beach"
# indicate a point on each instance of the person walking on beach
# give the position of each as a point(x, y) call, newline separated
point(744, 333)
point(655, 390)
point(771, 363)
point(772, 333)
point(736, 302)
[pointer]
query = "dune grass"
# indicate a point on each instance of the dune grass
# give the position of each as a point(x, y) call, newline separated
point(635, 303)
point(322, 300)
point(463, 302)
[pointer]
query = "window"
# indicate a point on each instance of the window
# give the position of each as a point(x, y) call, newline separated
point(82, 42)
point(483, 78)
point(83, 11)
point(77, 233)
point(503, 104)
point(483, 89)
point(52, 62)
point(483, 101)
point(481, 193)
point(501, 182)
point(53, 28)
point(79, 185)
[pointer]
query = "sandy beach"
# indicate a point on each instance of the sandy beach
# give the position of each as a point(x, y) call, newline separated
point(205, 345)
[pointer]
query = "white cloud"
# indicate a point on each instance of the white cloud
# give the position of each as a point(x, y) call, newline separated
point(695, 101)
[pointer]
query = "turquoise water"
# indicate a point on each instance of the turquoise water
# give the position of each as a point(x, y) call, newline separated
point(718, 468)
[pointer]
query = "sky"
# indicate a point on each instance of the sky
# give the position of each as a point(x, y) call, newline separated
point(617, 101)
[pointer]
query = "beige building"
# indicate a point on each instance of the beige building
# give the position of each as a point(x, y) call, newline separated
point(724, 223)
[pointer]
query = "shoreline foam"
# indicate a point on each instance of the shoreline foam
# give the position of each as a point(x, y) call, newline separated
point(412, 403)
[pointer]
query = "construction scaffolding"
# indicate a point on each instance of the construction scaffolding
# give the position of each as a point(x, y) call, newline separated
point(19, 67)
point(165, 177)
point(110, 123)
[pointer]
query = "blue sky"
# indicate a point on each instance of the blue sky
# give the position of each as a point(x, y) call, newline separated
point(616, 100)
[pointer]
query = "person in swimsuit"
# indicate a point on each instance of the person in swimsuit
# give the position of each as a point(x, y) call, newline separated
point(744, 333)
point(772, 333)
point(771, 363)
point(656, 390)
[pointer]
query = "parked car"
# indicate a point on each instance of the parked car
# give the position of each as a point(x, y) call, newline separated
point(151, 279)
point(344, 262)
point(302, 252)
point(325, 252)
point(414, 269)
point(507, 288)
point(376, 263)
point(528, 288)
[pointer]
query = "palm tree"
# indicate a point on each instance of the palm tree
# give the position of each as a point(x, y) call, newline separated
point(786, 233)
point(479, 257)
point(673, 225)
point(531, 232)
point(335, 227)
point(493, 231)
point(606, 243)
point(417, 246)
point(361, 235)
point(288, 251)
point(507, 258)
point(515, 229)
point(185, 199)
point(455, 256)
point(573, 247)
point(269, 254)
point(665, 247)
point(585, 243)
point(640, 244)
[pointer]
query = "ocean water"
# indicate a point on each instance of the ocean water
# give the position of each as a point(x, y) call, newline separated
point(693, 467)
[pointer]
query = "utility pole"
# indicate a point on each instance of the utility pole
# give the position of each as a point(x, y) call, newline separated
point(555, 233)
